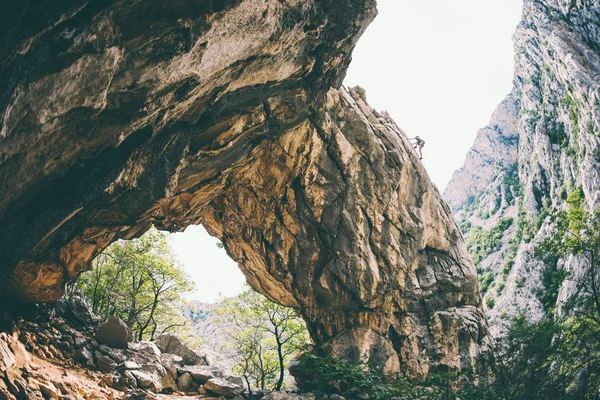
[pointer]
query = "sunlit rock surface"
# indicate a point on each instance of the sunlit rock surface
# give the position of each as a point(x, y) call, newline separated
point(119, 115)
point(557, 110)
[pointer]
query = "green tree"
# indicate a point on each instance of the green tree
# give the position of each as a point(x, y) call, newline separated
point(559, 356)
point(140, 281)
point(525, 368)
point(578, 235)
point(263, 335)
point(577, 355)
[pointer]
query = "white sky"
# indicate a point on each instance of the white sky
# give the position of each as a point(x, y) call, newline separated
point(440, 67)
point(210, 267)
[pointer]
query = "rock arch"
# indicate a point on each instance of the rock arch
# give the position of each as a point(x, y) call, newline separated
point(226, 113)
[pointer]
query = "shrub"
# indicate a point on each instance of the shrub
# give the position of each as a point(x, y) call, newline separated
point(533, 361)
point(500, 287)
point(326, 375)
point(481, 243)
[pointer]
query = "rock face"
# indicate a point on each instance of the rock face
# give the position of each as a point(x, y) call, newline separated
point(556, 113)
point(226, 114)
point(494, 151)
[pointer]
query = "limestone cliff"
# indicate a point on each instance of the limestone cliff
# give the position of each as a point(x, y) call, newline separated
point(556, 118)
point(118, 115)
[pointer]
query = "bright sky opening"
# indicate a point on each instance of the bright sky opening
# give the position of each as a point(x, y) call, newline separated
point(439, 67)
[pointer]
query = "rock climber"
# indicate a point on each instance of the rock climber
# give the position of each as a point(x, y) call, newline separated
point(419, 143)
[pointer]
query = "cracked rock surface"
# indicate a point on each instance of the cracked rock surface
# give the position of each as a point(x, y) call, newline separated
point(124, 114)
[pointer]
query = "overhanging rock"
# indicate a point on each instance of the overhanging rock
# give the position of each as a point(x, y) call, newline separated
point(119, 115)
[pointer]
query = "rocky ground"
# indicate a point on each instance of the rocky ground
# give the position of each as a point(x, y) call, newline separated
point(63, 352)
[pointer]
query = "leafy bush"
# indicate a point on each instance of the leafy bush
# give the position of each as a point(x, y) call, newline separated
point(481, 243)
point(500, 287)
point(511, 182)
point(549, 359)
point(485, 281)
point(557, 133)
point(327, 375)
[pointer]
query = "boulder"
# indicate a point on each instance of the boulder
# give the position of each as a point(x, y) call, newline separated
point(211, 357)
point(80, 340)
point(85, 357)
point(147, 349)
point(172, 345)
point(128, 380)
point(222, 387)
point(171, 362)
point(104, 349)
point(78, 310)
point(128, 365)
point(114, 333)
point(200, 373)
point(104, 363)
point(119, 355)
point(160, 379)
point(144, 380)
point(48, 390)
point(184, 382)
point(19, 351)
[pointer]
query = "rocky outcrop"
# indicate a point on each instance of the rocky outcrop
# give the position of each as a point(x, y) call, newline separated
point(120, 118)
point(35, 363)
point(119, 115)
point(56, 344)
point(557, 93)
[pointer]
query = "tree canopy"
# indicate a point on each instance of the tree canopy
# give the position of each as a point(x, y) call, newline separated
point(263, 336)
point(139, 281)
